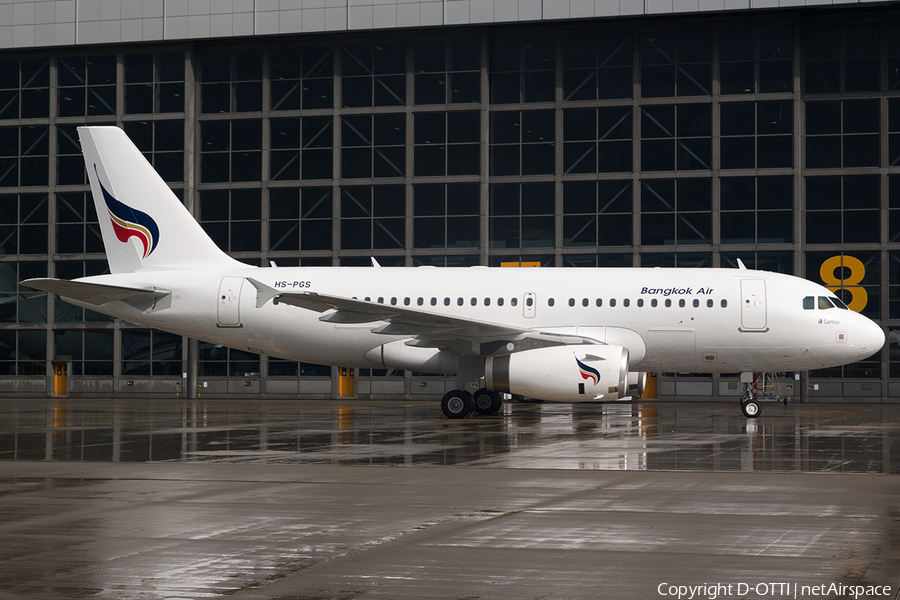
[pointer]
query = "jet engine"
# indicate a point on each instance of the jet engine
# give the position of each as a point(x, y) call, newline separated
point(561, 373)
point(637, 383)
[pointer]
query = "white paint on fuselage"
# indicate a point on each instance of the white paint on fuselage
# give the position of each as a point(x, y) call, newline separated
point(684, 339)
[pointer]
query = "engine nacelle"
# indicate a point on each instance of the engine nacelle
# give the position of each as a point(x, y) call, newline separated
point(561, 373)
point(637, 383)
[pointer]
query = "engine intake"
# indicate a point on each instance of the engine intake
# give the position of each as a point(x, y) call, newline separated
point(561, 373)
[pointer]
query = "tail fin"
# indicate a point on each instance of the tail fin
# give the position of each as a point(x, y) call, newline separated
point(144, 225)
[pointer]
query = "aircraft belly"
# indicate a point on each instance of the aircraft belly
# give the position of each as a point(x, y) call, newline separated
point(292, 333)
point(671, 349)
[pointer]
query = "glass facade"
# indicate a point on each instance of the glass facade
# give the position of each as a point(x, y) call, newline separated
point(684, 142)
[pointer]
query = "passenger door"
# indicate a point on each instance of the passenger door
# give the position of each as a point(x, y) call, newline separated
point(229, 311)
point(753, 305)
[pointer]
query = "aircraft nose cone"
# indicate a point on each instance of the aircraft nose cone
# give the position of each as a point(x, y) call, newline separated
point(871, 338)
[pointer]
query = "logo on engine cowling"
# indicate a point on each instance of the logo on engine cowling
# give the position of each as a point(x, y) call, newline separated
point(588, 372)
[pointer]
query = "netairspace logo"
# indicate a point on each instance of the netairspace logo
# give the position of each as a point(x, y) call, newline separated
point(712, 591)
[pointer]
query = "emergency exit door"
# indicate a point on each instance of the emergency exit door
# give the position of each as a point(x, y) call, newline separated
point(529, 304)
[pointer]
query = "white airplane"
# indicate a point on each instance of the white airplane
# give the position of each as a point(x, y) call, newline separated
point(567, 335)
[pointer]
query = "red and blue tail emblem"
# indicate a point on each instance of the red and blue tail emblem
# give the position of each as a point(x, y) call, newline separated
point(129, 222)
point(588, 372)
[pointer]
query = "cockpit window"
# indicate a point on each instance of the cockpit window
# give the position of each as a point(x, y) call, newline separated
point(839, 303)
point(809, 303)
point(825, 303)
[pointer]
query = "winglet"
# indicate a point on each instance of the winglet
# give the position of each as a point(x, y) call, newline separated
point(741, 265)
point(374, 262)
point(264, 292)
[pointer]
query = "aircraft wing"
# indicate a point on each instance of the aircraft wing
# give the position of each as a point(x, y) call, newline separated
point(94, 293)
point(430, 329)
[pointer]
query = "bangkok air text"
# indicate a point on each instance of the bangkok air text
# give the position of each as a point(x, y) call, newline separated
point(674, 291)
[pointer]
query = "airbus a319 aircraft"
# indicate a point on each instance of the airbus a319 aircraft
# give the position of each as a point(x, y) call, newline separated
point(566, 335)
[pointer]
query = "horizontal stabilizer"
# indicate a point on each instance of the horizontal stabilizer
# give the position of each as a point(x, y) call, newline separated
point(93, 293)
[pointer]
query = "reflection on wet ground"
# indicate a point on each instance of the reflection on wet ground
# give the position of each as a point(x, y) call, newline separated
point(275, 500)
point(653, 436)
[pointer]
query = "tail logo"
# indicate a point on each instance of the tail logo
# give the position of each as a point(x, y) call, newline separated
point(129, 222)
point(588, 372)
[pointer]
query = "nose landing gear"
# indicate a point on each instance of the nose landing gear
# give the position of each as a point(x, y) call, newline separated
point(761, 387)
point(750, 408)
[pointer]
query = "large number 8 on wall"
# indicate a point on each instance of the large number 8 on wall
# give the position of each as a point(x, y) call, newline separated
point(851, 283)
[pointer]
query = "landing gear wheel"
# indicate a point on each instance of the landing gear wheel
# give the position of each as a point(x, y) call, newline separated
point(750, 408)
point(487, 402)
point(457, 404)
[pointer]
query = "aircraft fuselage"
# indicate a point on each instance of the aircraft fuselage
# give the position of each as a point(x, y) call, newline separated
point(672, 320)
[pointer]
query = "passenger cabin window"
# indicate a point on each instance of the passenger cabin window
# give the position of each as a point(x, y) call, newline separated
point(550, 301)
point(654, 303)
point(368, 299)
point(640, 302)
point(393, 302)
point(474, 301)
point(681, 303)
point(709, 303)
point(380, 299)
point(696, 303)
point(599, 302)
point(571, 301)
point(668, 303)
point(809, 303)
point(459, 301)
point(499, 301)
point(513, 301)
point(487, 301)
point(612, 302)
point(406, 302)
point(724, 303)
point(446, 301)
point(825, 303)
point(585, 302)
point(529, 301)
point(626, 302)
point(434, 301)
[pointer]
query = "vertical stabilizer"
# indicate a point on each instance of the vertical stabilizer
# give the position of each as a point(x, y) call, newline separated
point(144, 225)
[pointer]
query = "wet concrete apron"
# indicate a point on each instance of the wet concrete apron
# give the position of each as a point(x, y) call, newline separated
point(271, 500)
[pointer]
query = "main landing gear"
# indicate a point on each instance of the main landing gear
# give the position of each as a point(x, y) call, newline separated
point(457, 404)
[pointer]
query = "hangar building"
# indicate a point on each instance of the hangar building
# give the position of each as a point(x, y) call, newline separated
point(449, 132)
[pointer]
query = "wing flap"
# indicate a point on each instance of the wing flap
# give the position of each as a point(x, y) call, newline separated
point(94, 293)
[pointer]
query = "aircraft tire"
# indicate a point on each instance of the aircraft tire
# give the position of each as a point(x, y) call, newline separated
point(751, 409)
point(487, 402)
point(457, 404)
